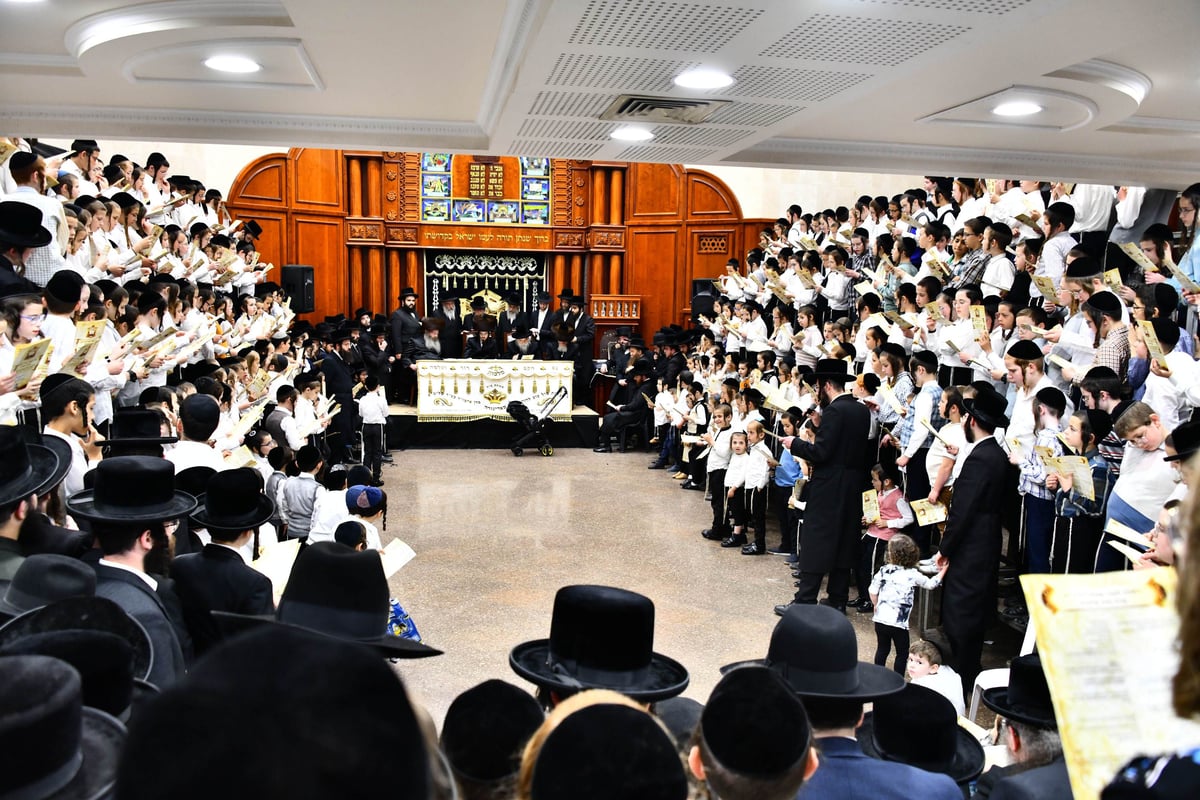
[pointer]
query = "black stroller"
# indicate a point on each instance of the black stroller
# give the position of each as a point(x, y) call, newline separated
point(534, 425)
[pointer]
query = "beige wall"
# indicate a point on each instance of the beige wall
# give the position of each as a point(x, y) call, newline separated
point(768, 192)
point(214, 165)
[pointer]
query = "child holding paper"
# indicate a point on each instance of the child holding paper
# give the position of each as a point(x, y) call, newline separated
point(1079, 522)
point(1037, 498)
point(892, 590)
point(894, 515)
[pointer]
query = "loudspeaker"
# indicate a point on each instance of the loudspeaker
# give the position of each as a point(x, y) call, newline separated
point(297, 282)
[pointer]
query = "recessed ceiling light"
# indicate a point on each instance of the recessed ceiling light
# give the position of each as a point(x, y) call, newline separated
point(239, 64)
point(703, 79)
point(631, 134)
point(1016, 108)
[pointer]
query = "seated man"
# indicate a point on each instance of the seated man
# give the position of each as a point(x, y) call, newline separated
point(425, 347)
point(631, 413)
point(482, 342)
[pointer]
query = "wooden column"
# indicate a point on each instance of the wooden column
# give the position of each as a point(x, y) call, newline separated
point(355, 193)
point(616, 198)
point(614, 273)
point(374, 296)
point(355, 270)
point(391, 293)
point(558, 273)
point(412, 275)
point(575, 276)
point(374, 188)
point(599, 202)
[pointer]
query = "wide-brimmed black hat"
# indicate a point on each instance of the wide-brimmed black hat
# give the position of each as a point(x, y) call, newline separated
point(21, 225)
point(408, 291)
point(544, 297)
point(253, 228)
point(137, 427)
point(988, 406)
point(566, 294)
point(642, 367)
point(84, 614)
point(1185, 439)
point(61, 448)
point(54, 746)
point(234, 501)
point(24, 468)
point(486, 729)
point(46, 578)
point(563, 332)
point(478, 304)
point(487, 324)
point(521, 332)
point(132, 489)
point(332, 718)
point(815, 651)
point(1026, 699)
point(829, 369)
point(919, 727)
point(341, 593)
point(638, 342)
point(607, 751)
point(601, 637)
point(754, 725)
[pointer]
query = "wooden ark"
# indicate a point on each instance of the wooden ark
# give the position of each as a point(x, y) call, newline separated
point(629, 237)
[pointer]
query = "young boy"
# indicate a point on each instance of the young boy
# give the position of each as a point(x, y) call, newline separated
point(719, 452)
point(925, 668)
point(914, 437)
point(1146, 480)
point(758, 473)
point(1037, 500)
point(735, 488)
point(373, 409)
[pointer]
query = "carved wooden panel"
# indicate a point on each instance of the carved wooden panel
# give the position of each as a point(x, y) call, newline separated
point(409, 188)
point(569, 188)
point(360, 230)
point(654, 193)
point(708, 197)
point(712, 243)
point(318, 180)
point(606, 238)
point(320, 242)
point(651, 272)
point(261, 182)
point(403, 235)
point(569, 240)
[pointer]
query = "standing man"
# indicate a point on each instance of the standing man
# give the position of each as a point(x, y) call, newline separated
point(339, 380)
point(970, 546)
point(585, 334)
point(511, 318)
point(85, 153)
point(29, 172)
point(406, 325)
point(452, 326)
point(541, 320)
point(841, 463)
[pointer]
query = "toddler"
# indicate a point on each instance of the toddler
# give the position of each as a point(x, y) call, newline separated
point(925, 668)
point(892, 591)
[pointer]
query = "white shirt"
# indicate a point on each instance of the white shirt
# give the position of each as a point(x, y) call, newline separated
point(73, 482)
point(153, 584)
point(187, 454)
point(1169, 397)
point(329, 511)
point(373, 407)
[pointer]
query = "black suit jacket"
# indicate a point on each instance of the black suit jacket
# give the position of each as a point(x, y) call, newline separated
point(217, 579)
point(521, 320)
point(451, 335)
point(405, 325)
point(141, 602)
point(339, 377)
point(543, 329)
point(1005, 783)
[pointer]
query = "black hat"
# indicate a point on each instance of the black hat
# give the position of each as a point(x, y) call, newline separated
point(341, 593)
point(544, 297)
point(1106, 303)
point(84, 146)
point(362, 312)
point(84, 614)
point(378, 329)
point(513, 299)
point(46, 150)
point(681, 715)
point(327, 718)
point(1026, 699)
point(125, 200)
point(566, 294)
point(253, 228)
point(341, 335)
point(754, 725)
point(24, 468)
point(486, 325)
point(623, 330)
point(919, 727)
point(194, 480)
point(562, 331)
point(408, 291)
point(54, 746)
point(607, 751)
point(577, 300)
point(1052, 397)
point(486, 728)
point(1025, 350)
point(432, 323)
point(833, 369)
point(478, 304)
point(642, 367)
point(136, 427)
point(20, 160)
point(521, 332)
point(815, 651)
point(601, 637)
point(104, 662)
point(1185, 440)
point(1083, 267)
point(132, 489)
point(988, 406)
point(926, 359)
point(638, 342)
point(64, 285)
point(21, 225)
point(234, 501)
point(46, 578)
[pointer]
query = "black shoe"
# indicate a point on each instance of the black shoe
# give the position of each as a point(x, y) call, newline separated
point(736, 540)
point(695, 487)
point(865, 606)
point(793, 559)
point(386, 458)
point(711, 535)
point(780, 551)
point(658, 465)
point(782, 608)
point(836, 606)
point(796, 574)
point(602, 449)
point(752, 550)
point(377, 482)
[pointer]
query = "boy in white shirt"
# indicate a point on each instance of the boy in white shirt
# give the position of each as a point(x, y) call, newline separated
point(925, 668)
point(719, 453)
point(735, 488)
point(373, 408)
point(758, 474)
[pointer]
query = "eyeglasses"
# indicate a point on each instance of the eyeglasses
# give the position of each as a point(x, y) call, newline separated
point(33, 317)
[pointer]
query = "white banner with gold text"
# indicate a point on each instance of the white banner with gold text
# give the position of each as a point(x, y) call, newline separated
point(460, 390)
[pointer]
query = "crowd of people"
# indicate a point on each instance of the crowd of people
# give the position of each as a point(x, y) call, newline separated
point(945, 389)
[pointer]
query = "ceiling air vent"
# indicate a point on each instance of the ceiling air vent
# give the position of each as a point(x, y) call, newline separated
point(631, 108)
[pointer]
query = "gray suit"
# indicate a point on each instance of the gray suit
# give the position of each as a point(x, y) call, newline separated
point(140, 602)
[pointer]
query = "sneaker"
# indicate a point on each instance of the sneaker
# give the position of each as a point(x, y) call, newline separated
point(752, 550)
point(679, 476)
point(780, 551)
point(865, 607)
point(734, 540)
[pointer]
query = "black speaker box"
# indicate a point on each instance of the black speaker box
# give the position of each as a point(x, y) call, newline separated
point(297, 282)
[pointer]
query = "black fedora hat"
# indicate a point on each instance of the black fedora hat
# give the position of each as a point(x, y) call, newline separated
point(328, 719)
point(253, 228)
point(46, 578)
point(234, 501)
point(544, 297)
point(1185, 440)
point(84, 614)
point(486, 728)
point(608, 751)
point(24, 468)
point(54, 746)
point(115, 498)
point(1026, 699)
point(136, 427)
point(829, 369)
point(919, 727)
point(988, 406)
point(638, 342)
point(521, 332)
point(408, 291)
point(601, 637)
point(486, 325)
point(478, 303)
point(753, 724)
point(21, 225)
point(815, 651)
point(566, 294)
point(562, 331)
point(338, 592)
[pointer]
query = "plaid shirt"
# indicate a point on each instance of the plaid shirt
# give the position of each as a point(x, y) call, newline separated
point(908, 423)
point(1033, 471)
point(1114, 351)
point(970, 269)
point(1112, 450)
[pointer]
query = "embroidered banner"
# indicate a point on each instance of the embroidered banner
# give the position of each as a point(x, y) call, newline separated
point(459, 390)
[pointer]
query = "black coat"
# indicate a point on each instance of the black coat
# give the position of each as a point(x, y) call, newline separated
point(416, 351)
point(405, 325)
point(139, 601)
point(11, 283)
point(504, 326)
point(544, 331)
point(217, 579)
point(1006, 783)
point(478, 349)
point(972, 541)
point(375, 359)
point(841, 463)
point(339, 376)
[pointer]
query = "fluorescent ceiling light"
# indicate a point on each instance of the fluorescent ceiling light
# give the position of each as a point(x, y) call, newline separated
point(703, 79)
point(239, 64)
point(1016, 108)
point(631, 134)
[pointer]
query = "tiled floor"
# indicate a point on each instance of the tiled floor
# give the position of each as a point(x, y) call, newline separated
point(496, 536)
